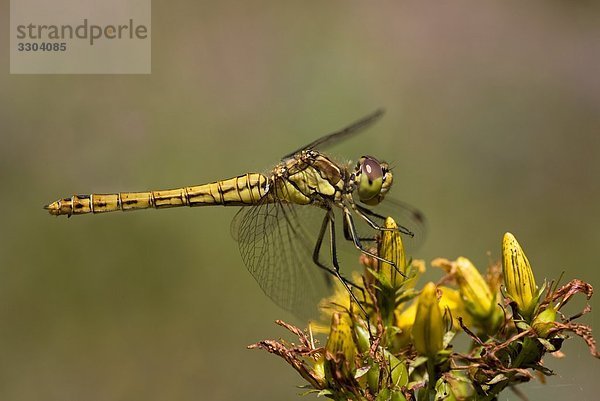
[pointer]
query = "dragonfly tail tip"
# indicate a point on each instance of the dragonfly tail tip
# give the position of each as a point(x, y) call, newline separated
point(53, 208)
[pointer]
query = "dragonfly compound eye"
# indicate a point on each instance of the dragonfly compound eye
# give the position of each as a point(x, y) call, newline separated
point(370, 180)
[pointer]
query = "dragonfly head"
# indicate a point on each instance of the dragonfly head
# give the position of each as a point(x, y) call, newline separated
point(372, 179)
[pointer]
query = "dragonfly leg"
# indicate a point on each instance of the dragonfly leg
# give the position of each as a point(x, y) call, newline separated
point(348, 236)
point(369, 212)
point(317, 251)
point(328, 221)
point(364, 213)
point(356, 240)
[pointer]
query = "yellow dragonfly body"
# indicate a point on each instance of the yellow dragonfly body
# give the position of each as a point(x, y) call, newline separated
point(274, 241)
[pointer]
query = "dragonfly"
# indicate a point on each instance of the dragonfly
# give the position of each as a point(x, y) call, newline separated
point(276, 243)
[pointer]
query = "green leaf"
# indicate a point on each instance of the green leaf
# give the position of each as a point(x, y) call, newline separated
point(381, 278)
point(360, 372)
point(397, 395)
point(547, 344)
point(384, 395)
point(325, 393)
point(398, 369)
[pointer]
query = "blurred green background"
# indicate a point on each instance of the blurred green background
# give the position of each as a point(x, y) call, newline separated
point(493, 124)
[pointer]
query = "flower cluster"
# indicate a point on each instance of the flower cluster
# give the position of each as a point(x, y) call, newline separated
point(403, 348)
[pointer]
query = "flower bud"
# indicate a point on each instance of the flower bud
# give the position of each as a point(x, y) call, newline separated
point(544, 321)
point(391, 248)
point(454, 385)
point(518, 276)
point(476, 293)
point(341, 348)
point(443, 391)
point(428, 328)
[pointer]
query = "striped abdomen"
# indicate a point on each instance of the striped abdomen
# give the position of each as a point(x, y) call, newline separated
point(245, 189)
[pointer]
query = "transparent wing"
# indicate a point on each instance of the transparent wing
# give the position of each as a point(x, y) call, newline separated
point(404, 215)
point(342, 134)
point(276, 246)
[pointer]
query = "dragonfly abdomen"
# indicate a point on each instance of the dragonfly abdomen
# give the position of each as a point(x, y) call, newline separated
point(242, 190)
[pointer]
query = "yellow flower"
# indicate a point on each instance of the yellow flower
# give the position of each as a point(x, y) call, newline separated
point(518, 276)
point(476, 293)
point(404, 321)
point(405, 317)
point(339, 301)
point(428, 328)
point(451, 301)
point(479, 300)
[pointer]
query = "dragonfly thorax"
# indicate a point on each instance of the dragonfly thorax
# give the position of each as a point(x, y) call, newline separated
point(309, 177)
